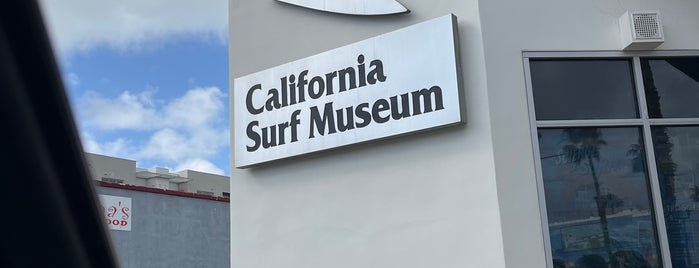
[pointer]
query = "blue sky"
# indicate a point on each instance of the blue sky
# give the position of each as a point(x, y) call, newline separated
point(147, 80)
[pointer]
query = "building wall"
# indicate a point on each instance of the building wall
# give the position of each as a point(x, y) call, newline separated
point(111, 167)
point(422, 200)
point(511, 27)
point(201, 181)
point(172, 231)
point(186, 180)
point(463, 196)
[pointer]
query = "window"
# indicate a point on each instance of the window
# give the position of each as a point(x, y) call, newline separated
point(111, 180)
point(205, 192)
point(565, 91)
point(617, 145)
point(671, 86)
point(677, 162)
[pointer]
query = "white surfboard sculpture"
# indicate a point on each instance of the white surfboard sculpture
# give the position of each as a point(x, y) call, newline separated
point(352, 7)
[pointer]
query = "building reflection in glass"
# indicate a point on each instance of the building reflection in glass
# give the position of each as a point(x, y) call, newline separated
point(677, 160)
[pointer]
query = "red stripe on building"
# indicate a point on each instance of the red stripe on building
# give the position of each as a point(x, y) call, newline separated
point(162, 191)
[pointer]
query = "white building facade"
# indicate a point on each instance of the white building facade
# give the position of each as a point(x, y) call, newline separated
point(573, 150)
point(124, 171)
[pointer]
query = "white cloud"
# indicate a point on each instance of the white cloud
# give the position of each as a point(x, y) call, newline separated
point(197, 107)
point(183, 131)
point(90, 145)
point(72, 79)
point(119, 147)
point(200, 165)
point(181, 145)
point(127, 111)
point(78, 25)
point(167, 144)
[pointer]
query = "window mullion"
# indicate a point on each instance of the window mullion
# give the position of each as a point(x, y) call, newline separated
point(674, 121)
point(640, 91)
point(656, 197)
point(588, 123)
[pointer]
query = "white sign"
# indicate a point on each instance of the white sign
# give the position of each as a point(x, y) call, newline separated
point(396, 83)
point(116, 211)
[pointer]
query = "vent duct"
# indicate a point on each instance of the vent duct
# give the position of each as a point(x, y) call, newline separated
point(641, 30)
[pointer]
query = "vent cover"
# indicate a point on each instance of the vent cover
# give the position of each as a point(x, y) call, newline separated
point(646, 25)
point(641, 30)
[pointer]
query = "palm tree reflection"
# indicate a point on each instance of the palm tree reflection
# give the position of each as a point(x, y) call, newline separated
point(584, 147)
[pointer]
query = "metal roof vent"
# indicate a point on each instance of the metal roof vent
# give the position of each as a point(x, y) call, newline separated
point(641, 30)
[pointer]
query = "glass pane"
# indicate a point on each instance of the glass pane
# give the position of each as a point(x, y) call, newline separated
point(672, 87)
point(677, 159)
point(598, 198)
point(583, 89)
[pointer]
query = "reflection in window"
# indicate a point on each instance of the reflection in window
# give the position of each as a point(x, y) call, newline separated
point(677, 159)
point(671, 86)
point(597, 197)
point(583, 89)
